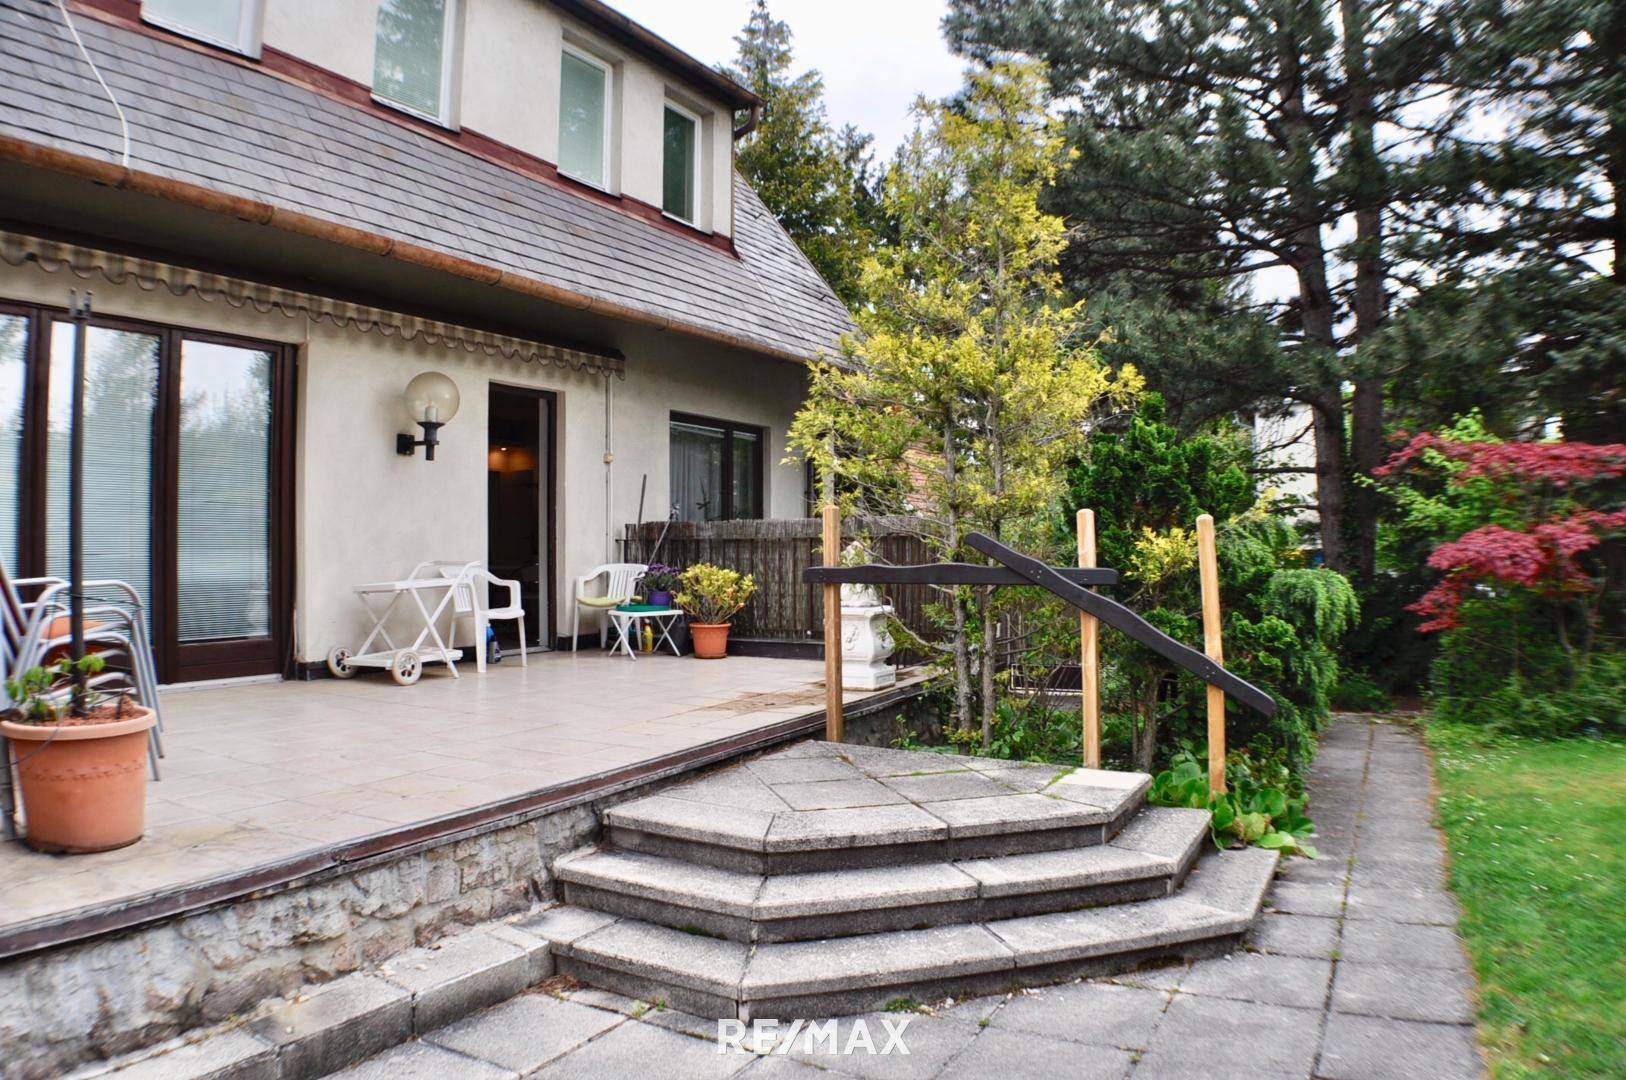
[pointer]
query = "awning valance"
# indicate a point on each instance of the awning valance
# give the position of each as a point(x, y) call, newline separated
point(54, 256)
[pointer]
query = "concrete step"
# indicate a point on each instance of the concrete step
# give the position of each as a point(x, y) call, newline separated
point(827, 806)
point(1147, 859)
point(716, 978)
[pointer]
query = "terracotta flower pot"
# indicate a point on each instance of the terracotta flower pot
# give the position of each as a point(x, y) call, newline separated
point(710, 640)
point(84, 786)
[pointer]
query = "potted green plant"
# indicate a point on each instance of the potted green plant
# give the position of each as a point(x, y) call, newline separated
point(658, 584)
point(711, 596)
point(81, 765)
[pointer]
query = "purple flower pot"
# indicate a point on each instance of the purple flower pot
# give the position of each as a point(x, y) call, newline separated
point(660, 599)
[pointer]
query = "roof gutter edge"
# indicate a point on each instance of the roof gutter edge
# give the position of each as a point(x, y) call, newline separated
point(67, 162)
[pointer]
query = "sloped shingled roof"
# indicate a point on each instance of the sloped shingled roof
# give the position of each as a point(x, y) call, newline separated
point(204, 120)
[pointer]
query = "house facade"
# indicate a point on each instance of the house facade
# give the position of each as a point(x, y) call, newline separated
point(285, 211)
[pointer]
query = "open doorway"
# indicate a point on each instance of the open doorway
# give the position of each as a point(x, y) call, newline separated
point(519, 506)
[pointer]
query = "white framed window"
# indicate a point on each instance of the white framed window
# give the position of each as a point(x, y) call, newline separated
point(414, 47)
point(584, 117)
point(680, 163)
point(230, 24)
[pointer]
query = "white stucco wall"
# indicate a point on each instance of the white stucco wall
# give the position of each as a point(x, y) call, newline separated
point(363, 512)
point(508, 87)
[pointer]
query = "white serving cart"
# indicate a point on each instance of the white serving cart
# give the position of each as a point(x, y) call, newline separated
point(381, 598)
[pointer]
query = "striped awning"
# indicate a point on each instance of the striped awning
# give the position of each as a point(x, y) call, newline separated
point(56, 257)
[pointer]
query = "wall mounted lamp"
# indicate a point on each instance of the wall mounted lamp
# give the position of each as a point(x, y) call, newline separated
point(431, 400)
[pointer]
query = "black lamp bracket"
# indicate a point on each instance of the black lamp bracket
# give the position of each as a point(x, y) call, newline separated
point(406, 445)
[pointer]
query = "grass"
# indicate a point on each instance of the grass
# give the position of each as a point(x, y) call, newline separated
point(1537, 831)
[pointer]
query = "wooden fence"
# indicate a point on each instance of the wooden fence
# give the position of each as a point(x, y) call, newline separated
point(776, 553)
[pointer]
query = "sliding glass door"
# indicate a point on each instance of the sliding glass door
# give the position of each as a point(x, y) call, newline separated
point(187, 443)
point(225, 456)
point(121, 397)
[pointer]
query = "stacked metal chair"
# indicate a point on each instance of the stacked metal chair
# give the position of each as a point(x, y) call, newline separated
point(115, 624)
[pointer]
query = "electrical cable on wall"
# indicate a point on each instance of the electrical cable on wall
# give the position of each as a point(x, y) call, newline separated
point(124, 125)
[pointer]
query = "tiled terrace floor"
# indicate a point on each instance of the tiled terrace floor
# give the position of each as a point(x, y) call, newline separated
point(258, 773)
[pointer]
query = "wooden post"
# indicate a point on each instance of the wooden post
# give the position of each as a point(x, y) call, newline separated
point(1208, 569)
point(833, 721)
point(1089, 631)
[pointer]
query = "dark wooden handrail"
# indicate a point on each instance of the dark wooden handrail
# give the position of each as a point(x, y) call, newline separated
point(1068, 583)
point(948, 573)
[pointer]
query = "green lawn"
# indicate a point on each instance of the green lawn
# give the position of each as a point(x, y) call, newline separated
point(1536, 833)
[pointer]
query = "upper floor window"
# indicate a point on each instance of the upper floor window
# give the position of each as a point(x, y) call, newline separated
point(412, 56)
point(584, 118)
point(231, 24)
point(680, 168)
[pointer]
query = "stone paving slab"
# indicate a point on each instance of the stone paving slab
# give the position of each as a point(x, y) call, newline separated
point(1366, 1048)
point(527, 1032)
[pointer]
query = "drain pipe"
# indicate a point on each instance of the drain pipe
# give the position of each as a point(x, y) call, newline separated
point(609, 469)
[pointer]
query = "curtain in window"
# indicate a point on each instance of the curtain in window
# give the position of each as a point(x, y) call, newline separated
point(409, 53)
point(13, 380)
point(581, 120)
point(697, 471)
point(677, 192)
point(121, 389)
point(747, 458)
point(224, 513)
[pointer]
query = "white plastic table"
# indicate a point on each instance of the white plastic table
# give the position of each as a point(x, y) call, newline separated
point(404, 663)
point(626, 621)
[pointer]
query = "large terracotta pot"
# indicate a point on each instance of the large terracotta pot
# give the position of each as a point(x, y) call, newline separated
point(84, 786)
point(710, 640)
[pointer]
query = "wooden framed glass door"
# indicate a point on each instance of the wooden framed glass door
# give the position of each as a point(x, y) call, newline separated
point(188, 441)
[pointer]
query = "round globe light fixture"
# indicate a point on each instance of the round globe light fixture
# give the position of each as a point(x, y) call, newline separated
point(431, 399)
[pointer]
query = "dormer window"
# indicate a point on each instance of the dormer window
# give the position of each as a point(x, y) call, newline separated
point(680, 169)
point(230, 24)
point(584, 118)
point(412, 57)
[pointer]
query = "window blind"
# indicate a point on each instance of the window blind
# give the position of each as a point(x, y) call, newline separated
point(13, 379)
point(409, 54)
point(223, 554)
point(121, 390)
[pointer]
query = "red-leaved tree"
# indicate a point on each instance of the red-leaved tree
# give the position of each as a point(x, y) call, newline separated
point(1535, 481)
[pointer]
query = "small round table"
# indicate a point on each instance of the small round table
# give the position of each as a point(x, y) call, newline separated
point(626, 622)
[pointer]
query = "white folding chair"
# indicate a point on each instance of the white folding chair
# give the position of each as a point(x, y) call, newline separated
point(620, 585)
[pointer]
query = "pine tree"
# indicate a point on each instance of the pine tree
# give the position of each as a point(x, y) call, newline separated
point(1218, 138)
point(813, 179)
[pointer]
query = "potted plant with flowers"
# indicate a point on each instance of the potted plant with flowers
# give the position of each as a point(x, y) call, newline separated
point(658, 584)
point(81, 758)
point(711, 596)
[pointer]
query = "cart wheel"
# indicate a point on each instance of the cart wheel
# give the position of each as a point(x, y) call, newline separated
point(338, 663)
point(405, 667)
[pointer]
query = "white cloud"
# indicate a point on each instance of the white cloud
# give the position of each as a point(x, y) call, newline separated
point(876, 55)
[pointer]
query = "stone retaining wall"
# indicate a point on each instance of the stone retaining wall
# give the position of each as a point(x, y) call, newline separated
point(110, 995)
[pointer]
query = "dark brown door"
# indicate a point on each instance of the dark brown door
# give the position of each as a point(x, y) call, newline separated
point(187, 473)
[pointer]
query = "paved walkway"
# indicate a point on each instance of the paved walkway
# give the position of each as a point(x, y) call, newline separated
point(1355, 973)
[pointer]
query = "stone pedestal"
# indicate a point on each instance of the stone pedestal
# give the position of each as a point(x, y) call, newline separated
point(865, 646)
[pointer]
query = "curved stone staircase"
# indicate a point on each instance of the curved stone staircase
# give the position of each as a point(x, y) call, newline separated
point(829, 878)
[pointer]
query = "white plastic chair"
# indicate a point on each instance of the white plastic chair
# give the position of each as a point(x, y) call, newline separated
point(466, 604)
point(621, 583)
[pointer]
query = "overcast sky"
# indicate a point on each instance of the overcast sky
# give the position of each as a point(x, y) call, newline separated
point(875, 55)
